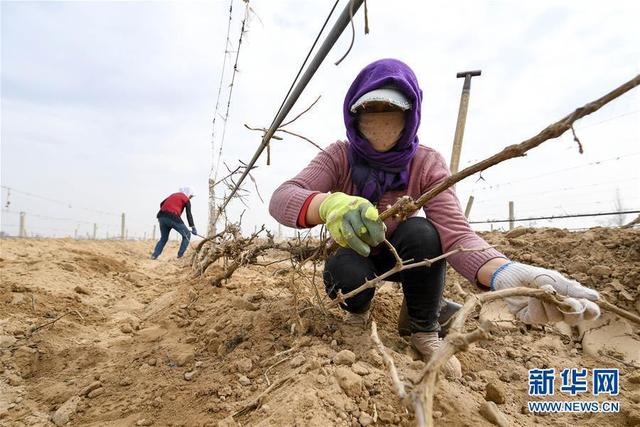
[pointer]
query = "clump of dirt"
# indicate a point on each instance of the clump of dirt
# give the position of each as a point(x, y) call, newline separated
point(95, 333)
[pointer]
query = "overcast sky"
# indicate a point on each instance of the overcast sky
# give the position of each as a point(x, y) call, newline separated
point(107, 106)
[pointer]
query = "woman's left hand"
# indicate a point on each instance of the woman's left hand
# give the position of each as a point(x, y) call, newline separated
point(533, 310)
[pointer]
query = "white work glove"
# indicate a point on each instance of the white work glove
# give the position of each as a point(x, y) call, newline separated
point(535, 311)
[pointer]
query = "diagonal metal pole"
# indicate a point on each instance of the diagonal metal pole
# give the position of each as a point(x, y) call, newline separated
point(341, 23)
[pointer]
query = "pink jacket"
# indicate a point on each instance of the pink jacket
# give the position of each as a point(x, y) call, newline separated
point(329, 172)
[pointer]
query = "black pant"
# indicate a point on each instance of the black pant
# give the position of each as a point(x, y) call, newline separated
point(415, 239)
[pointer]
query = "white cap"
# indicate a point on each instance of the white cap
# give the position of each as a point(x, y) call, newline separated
point(386, 94)
point(187, 191)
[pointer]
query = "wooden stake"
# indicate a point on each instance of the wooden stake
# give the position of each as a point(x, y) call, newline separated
point(462, 118)
point(511, 215)
point(122, 227)
point(467, 210)
point(22, 232)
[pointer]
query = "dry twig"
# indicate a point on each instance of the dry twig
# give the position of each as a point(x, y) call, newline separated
point(411, 400)
point(458, 288)
point(302, 113)
point(301, 137)
point(395, 378)
point(632, 223)
point(617, 359)
point(604, 304)
point(257, 402)
point(266, 377)
point(281, 128)
point(37, 328)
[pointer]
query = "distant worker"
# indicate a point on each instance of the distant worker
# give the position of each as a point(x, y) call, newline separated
point(169, 218)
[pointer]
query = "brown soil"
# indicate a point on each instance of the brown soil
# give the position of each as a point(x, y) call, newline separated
point(143, 342)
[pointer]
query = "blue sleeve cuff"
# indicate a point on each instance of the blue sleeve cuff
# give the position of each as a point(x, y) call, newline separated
point(495, 273)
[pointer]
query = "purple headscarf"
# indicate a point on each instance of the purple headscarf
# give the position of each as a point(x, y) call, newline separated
point(375, 173)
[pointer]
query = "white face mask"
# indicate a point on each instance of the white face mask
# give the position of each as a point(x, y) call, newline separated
point(382, 130)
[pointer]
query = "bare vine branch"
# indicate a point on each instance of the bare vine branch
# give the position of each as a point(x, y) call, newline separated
point(395, 378)
point(400, 265)
point(302, 113)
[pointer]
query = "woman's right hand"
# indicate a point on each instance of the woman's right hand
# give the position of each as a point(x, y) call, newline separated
point(352, 222)
point(579, 298)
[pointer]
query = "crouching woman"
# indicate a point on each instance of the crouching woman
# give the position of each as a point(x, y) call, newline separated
point(346, 186)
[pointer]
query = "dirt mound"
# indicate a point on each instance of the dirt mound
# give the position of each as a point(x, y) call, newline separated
point(95, 333)
point(605, 259)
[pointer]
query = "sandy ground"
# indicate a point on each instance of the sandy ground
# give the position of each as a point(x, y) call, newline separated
point(95, 333)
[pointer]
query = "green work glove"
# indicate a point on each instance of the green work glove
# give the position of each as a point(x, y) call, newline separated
point(353, 222)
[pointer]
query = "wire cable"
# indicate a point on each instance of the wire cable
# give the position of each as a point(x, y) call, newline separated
point(490, 221)
point(594, 163)
point(51, 218)
point(231, 85)
point(214, 164)
point(61, 202)
point(518, 197)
